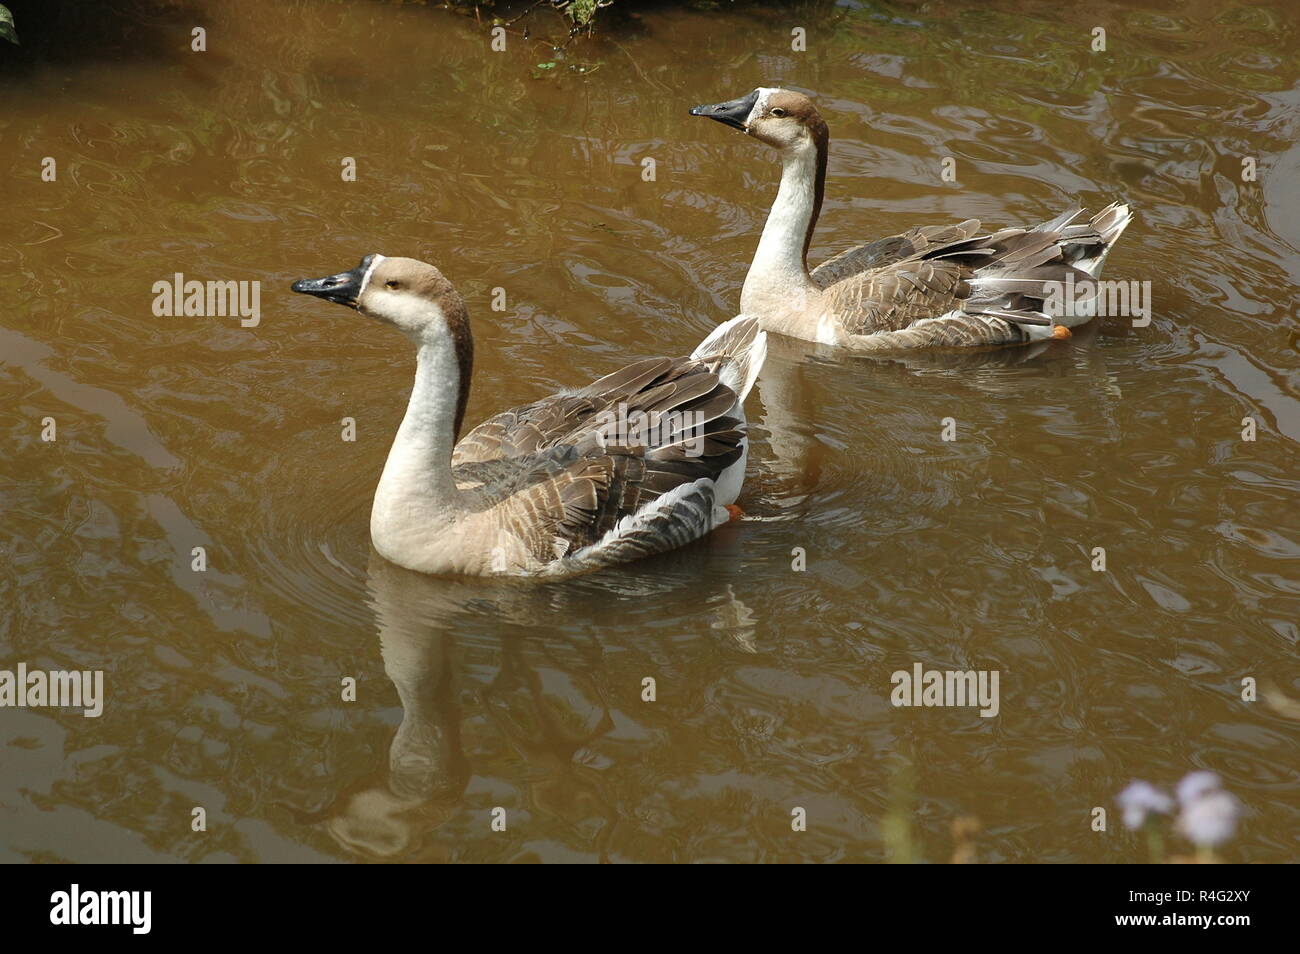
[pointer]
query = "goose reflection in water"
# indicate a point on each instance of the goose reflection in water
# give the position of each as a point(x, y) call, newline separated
point(426, 627)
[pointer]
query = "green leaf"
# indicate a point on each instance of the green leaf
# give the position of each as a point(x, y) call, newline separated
point(581, 11)
point(7, 26)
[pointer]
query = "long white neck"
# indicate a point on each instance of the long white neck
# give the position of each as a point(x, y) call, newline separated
point(417, 494)
point(779, 270)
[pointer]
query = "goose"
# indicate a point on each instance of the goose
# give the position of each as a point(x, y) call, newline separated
point(930, 287)
point(645, 459)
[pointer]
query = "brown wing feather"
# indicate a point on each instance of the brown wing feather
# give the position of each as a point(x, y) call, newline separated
point(550, 480)
point(898, 295)
point(887, 251)
point(995, 284)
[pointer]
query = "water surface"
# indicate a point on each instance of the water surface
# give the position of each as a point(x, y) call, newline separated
point(772, 684)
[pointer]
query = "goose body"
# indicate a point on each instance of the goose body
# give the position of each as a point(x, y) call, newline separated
point(643, 460)
point(932, 287)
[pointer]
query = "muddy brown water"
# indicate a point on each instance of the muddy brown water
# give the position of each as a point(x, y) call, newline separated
point(773, 685)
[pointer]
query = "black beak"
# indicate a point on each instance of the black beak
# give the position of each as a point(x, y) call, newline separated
point(342, 289)
point(732, 113)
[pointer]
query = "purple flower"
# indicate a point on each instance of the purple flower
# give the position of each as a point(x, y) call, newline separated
point(1141, 799)
point(1195, 785)
point(1210, 818)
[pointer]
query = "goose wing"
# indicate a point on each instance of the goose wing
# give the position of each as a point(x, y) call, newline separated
point(978, 290)
point(647, 499)
point(896, 296)
point(888, 251)
point(556, 419)
point(624, 466)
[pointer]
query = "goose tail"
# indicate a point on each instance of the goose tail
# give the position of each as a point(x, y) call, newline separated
point(1029, 268)
point(1109, 224)
point(738, 349)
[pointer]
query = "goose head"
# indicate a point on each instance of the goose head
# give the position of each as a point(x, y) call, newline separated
point(781, 118)
point(410, 295)
point(417, 299)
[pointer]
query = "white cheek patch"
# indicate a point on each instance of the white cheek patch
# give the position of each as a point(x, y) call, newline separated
point(760, 104)
point(411, 313)
point(365, 279)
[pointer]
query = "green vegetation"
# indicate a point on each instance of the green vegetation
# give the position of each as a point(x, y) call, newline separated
point(579, 15)
point(7, 25)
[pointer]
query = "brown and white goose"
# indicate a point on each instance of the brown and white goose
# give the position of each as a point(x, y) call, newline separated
point(641, 461)
point(937, 286)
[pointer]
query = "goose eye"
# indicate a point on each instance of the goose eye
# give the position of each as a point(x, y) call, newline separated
point(778, 111)
point(392, 284)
